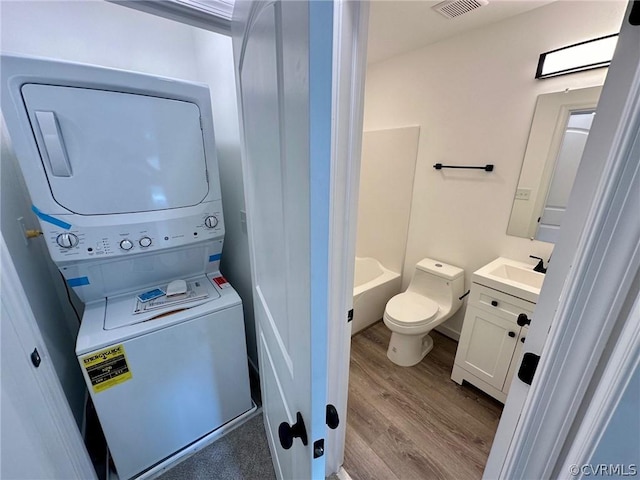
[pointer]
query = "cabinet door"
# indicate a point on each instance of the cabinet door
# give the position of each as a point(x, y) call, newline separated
point(486, 346)
point(517, 358)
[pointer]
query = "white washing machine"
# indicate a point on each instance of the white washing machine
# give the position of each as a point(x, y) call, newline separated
point(122, 172)
point(161, 381)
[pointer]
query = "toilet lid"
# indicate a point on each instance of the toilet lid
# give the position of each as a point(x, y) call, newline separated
point(411, 308)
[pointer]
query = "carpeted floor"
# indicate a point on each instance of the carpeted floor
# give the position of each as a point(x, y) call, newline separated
point(243, 454)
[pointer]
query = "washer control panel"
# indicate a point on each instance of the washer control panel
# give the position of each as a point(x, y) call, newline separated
point(87, 242)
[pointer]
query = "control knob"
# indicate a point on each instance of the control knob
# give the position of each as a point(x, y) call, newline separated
point(126, 244)
point(67, 240)
point(144, 241)
point(211, 221)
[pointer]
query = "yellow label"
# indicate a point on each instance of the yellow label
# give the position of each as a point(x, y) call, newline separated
point(107, 368)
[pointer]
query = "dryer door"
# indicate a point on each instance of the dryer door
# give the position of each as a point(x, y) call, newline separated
point(107, 152)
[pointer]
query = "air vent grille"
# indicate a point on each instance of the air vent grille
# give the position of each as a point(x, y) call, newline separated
point(455, 8)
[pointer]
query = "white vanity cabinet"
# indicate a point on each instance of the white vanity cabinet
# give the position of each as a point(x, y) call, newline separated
point(491, 341)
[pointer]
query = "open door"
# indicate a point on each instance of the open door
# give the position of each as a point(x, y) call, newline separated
point(283, 63)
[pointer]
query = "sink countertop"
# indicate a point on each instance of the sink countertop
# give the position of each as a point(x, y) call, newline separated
point(511, 277)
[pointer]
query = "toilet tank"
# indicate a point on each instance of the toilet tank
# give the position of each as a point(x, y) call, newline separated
point(438, 281)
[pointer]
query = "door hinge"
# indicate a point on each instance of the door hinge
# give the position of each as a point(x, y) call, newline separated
point(318, 448)
point(350, 315)
point(528, 367)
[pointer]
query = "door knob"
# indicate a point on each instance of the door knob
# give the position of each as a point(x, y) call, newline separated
point(523, 320)
point(332, 417)
point(287, 432)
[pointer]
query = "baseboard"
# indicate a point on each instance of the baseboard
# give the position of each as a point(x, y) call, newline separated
point(342, 474)
point(448, 332)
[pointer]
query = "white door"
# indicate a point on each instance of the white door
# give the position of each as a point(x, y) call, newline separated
point(38, 434)
point(534, 424)
point(283, 61)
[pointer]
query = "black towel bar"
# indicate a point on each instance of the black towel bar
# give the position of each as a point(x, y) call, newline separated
point(487, 168)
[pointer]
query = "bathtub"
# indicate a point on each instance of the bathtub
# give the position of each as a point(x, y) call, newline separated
point(374, 286)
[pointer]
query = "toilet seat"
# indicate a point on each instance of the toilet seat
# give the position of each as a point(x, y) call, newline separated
point(411, 309)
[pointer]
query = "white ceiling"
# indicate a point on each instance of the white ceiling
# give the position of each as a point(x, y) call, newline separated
point(398, 26)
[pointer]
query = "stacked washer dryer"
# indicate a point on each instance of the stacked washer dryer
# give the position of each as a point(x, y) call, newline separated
point(122, 172)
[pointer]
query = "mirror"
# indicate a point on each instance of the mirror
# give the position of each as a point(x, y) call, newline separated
point(559, 131)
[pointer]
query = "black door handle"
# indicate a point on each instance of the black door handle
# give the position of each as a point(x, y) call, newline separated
point(634, 15)
point(332, 417)
point(35, 358)
point(523, 320)
point(287, 432)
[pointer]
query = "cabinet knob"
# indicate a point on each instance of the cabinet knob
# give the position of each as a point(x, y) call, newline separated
point(523, 320)
point(512, 334)
point(522, 339)
point(494, 303)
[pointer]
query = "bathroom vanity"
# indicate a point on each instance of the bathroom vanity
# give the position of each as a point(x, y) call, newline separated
point(502, 299)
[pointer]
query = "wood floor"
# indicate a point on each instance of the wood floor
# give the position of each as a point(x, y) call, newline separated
point(414, 423)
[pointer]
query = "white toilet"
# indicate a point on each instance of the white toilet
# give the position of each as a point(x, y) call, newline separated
point(432, 297)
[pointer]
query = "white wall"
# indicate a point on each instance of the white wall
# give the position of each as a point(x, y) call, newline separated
point(106, 34)
point(387, 170)
point(40, 280)
point(100, 33)
point(474, 96)
point(215, 66)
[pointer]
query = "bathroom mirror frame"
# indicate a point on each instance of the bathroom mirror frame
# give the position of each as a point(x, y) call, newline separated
point(550, 119)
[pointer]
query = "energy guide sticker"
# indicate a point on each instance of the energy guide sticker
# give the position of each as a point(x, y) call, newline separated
point(107, 368)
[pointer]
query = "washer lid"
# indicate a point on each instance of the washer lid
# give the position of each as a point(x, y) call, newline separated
point(411, 308)
point(124, 310)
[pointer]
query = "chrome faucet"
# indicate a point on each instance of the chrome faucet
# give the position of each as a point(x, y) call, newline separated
point(540, 266)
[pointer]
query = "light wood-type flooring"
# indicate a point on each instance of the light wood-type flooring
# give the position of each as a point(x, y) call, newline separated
point(414, 423)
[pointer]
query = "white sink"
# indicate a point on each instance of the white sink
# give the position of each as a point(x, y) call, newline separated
point(511, 277)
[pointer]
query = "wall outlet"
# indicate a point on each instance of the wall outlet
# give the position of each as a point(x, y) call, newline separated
point(523, 194)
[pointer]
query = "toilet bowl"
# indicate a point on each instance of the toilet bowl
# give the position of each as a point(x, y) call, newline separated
point(432, 297)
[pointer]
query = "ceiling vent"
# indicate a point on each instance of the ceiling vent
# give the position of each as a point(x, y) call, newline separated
point(455, 8)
